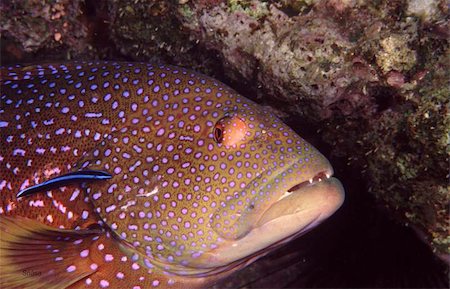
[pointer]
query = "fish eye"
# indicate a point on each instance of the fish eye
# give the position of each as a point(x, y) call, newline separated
point(229, 130)
point(218, 133)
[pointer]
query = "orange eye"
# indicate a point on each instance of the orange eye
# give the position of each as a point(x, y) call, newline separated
point(230, 130)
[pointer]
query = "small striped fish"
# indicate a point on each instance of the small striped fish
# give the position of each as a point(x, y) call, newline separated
point(133, 175)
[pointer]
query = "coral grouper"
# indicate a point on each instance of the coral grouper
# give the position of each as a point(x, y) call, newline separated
point(132, 175)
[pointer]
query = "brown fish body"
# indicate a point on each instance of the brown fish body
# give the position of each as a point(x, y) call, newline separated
point(197, 172)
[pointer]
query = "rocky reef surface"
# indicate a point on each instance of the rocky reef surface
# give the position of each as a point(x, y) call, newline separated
point(369, 79)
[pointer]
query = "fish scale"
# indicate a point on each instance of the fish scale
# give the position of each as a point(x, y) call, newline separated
point(196, 169)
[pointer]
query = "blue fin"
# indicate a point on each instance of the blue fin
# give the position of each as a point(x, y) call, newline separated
point(63, 180)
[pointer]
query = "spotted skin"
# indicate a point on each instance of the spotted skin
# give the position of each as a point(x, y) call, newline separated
point(194, 165)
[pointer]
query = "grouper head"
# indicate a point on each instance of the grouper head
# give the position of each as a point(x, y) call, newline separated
point(204, 180)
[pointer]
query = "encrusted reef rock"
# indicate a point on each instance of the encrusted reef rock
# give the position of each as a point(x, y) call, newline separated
point(31, 26)
point(372, 76)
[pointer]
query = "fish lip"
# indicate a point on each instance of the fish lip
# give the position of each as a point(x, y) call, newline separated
point(317, 178)
point(322, 175)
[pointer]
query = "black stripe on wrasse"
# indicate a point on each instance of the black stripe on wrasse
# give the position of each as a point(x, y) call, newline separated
point(63, 180)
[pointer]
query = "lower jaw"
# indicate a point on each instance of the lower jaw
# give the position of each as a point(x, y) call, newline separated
point(283, 221)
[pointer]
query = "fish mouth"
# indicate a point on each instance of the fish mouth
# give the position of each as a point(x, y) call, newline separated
point(323, 175)
point(303, 205)
point(322, 195)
